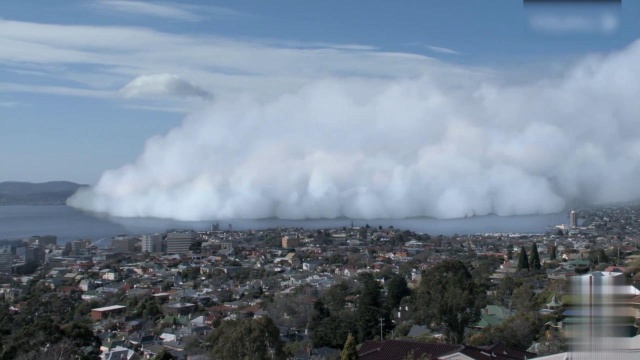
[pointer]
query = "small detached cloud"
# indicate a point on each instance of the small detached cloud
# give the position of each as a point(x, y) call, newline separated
point(163, 85)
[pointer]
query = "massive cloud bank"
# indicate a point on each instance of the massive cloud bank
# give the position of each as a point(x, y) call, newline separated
point(365, 148)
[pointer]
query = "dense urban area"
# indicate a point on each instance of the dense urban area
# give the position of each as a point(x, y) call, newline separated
point(290, 293)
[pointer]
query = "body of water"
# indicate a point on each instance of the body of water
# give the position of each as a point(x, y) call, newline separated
point(70, 224)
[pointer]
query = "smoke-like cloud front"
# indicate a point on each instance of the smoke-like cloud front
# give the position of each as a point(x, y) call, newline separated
point(437, 146)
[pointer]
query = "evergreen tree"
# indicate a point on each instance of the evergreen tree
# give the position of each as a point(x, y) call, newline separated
point(322, 332)
point(369, 307)
point(448, 296)
point(349, 351)
point(523, 260)
point(397, 289)
point(553, 253)
point(164, 355)
point(330, 322)
point(534, 263)
point(249, 339)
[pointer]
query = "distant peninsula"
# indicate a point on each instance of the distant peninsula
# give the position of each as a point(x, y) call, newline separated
point(26, 193)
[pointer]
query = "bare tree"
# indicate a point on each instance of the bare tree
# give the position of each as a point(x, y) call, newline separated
point(63, 350)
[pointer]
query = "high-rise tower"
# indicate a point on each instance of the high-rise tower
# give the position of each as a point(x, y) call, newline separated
point(573, 219)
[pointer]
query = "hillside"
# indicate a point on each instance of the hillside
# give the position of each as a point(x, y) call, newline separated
point(48, 193)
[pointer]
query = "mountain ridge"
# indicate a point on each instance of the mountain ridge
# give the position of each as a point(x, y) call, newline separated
point(29, 193)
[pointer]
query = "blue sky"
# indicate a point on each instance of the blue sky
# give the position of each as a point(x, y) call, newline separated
point(83, 84)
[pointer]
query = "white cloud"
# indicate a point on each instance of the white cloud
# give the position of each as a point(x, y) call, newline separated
point(147, 8)
point(432, 48)
point(54, 90)
point(167, 10)
point(111, 55)
point(362, 147)
point(442, 50)
point(574, 23)
point(9, 104)
point(160, 108)
point(325, 130)
point(162, 85)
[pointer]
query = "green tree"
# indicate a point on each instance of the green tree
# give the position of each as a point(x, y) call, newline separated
point(504, 291)
point(553, 255)
point(552, 343)
point(523, 299)
point(523, 259)
point(369, 308)
point(448, 296)
point(321, 335)
point(349, 351)
point(248, 339)
point(517, 332)
point(83, 337)
point(164, 355)
point(534, 263)
point(397, 289)
point(598, 256)
point(334, 297)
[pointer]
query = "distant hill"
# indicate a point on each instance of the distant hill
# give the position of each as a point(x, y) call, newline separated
point(48, 193)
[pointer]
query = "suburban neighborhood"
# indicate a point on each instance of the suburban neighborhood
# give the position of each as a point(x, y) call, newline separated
point(185, 294)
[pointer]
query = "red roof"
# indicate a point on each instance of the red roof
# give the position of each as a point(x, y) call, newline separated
point(500, 349)
point(400, 349)
point(615, 269)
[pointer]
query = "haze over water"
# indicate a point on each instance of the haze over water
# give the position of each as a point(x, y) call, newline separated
point(69, 224)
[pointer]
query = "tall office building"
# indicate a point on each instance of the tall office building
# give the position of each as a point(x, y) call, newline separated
point(179, 242)
point(34, 254)
point(123, 244)
point(43, 240)
point(5, 259)
point(573, 219)
point(152, 243)
point(289, 242)
point(79, 247)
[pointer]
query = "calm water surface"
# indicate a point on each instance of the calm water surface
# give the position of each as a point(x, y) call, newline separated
point(70, 224)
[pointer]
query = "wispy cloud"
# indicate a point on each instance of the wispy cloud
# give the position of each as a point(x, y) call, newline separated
point(54, 90)
point(111, 61)
point(559, 24)
point(442, 50)
point(160, 108)
point(149, 9)
point(8, 104)
point(167, 10)
point(437, 49)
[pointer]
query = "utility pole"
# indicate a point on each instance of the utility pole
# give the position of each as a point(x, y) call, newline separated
point(381, 322)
